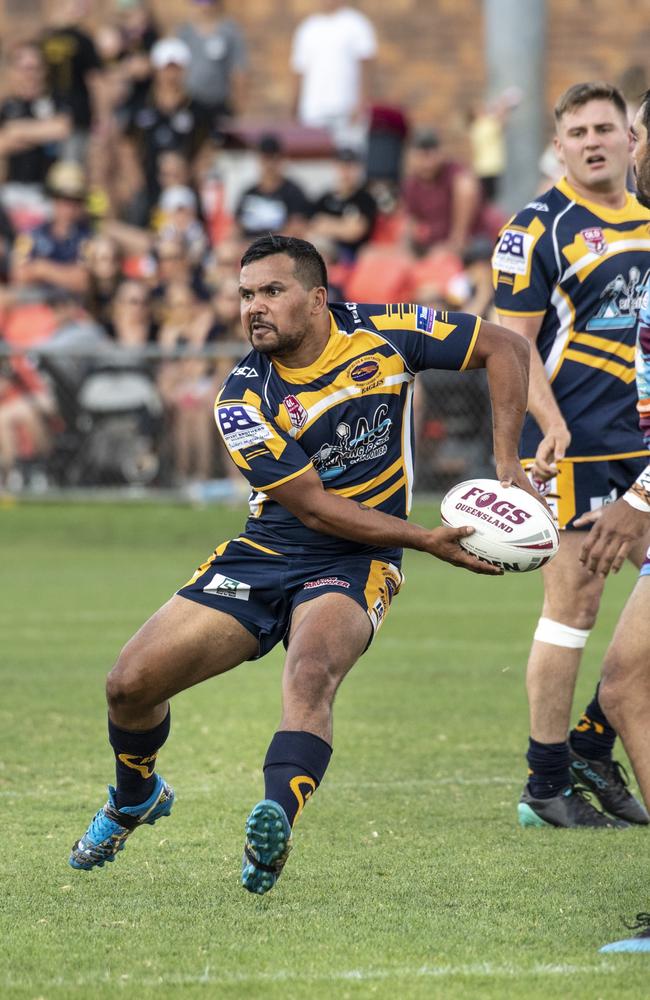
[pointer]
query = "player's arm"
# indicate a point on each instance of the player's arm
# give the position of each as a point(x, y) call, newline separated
point(541, 401)
point(331, 514)
point(616, 527)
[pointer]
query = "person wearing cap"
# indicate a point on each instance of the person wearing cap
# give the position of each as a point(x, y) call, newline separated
point(216, 75)
point(53, 255)
point(168, 119)
point(347, 213)
point(442, 198)
point(274, 204)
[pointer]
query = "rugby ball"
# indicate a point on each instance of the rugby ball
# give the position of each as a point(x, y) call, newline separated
point(512, 529)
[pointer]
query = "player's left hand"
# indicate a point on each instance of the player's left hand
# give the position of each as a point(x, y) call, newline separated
point(616, 527)
point(512, 474)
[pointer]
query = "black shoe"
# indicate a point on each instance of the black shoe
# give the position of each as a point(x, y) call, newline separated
point(569, 808)
point(640, 941)
point(608, 780)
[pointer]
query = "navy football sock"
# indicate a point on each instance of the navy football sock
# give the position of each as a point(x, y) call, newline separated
point(135, 761)
point(294, 767)
point(593, 737)
point(548, 768)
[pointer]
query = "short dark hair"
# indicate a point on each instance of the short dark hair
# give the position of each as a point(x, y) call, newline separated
point(582, 93)
point(309, 266)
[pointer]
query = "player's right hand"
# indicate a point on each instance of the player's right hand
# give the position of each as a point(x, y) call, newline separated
point(616, 527)
point(445, 545)
point(551, 449)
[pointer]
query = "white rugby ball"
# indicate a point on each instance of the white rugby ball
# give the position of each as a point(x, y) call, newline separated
point(512, 528)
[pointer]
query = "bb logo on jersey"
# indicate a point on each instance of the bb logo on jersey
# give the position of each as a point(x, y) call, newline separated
point(595, 240)
point(513, 251)
point(240, 425)
point(297, 413)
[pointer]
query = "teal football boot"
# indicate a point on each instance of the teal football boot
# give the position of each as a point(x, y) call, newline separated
point(268, 842)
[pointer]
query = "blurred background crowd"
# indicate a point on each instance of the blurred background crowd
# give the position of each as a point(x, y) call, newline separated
point(135, 172)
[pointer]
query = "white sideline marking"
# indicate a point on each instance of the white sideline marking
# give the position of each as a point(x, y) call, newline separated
point(485, 969)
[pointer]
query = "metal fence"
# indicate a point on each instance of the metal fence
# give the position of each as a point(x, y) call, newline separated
point(94, 416)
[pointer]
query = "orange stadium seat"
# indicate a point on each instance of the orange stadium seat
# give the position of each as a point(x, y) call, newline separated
point(379, 275)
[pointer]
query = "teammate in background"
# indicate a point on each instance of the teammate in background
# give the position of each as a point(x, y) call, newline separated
point(625, 684)
point(318, 419)
point(571, 270)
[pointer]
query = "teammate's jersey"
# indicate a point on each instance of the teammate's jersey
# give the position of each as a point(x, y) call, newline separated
point(584, 269)
point(643, 370)
point(348, 415)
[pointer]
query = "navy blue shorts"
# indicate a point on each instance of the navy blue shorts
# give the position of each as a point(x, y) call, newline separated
point(583, 485)
point(260, 587)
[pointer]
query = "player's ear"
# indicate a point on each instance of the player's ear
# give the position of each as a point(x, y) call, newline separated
point(557, 146)
point(319, 299)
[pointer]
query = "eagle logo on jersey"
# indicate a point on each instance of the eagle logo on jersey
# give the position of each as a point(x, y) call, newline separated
point(595, 240)
point(364, 370)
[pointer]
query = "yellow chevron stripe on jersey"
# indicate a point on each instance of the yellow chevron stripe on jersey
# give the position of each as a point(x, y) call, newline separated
point(623, 351)
point(256, 545)
point(584, 261)
point(339, 348)
point(352, 491)
point(388, 492)
point(631, 211)
point(286, 479)
point(331, 396)
point(472, 344)
point(626, 375)
point(219, 551)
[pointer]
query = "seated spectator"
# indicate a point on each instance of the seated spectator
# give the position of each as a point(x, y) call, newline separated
point(27, 409)
point(53, 255)
point(274, 204)
point(187, 385)
point(223, 261)
point(167, 118)
point(216, 73)
point(347, 213)
point(175, 218)
point(442, 199)
point(104, 263)
point(131, 324)
point(33, 124)
point(172, 266)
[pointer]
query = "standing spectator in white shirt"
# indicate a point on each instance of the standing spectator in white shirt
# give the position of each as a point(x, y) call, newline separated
point(332, 53)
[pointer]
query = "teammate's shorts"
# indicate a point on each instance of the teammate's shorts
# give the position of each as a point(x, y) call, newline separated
point(260, 587)
point(582, 485)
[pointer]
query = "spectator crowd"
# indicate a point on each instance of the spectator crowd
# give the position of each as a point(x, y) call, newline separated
point(120, 242)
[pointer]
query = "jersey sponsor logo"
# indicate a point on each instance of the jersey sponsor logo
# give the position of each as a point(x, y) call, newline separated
point(225, 586)
point(369, 442)
point(513, 251)
point(327, 581)
point(297, 413)
point(241, 427)
point(621, 300)
point(536, 206)
point(364, 370)
point(595, 240)
point(245, 371)
point(424, 318)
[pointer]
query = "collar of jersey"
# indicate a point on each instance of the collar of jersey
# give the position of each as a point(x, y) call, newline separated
point(630, 211)
point(336, 342)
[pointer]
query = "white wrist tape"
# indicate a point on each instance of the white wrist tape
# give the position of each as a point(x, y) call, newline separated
point(557, 634)
point(638, 495)
point(636, 501)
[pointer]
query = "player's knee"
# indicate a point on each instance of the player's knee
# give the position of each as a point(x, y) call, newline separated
point(312, 679)
point(126, 683)
point(580, 612)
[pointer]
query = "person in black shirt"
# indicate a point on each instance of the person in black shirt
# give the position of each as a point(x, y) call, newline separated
point(274, 204)
point(347, 213)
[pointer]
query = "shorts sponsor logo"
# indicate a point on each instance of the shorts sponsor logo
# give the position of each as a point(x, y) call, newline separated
point(326, 581)
point(364, 370)
point(424, 318)
point(225, 586)
point(241, 427)
point(297, 413)
point(512, 254)
point(595, 503)
point(595, 240)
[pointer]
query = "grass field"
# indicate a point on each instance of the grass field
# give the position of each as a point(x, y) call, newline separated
point(409, 877)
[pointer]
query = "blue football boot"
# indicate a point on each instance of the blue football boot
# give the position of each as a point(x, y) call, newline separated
point(110, 827)
point(268, 842)
point(640, 941)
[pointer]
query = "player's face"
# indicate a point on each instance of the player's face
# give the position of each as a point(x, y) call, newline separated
point(594, 143)
point(641, 159)
point(277, 312)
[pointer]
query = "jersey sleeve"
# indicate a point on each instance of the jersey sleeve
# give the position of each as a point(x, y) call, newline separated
point(266, 455)
point(427, 337)
point(523, 266)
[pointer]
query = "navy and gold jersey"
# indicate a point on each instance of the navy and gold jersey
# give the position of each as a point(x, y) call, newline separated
point(584, 270)
point(348, 415)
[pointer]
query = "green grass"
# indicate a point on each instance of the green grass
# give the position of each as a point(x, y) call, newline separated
point(409, 877)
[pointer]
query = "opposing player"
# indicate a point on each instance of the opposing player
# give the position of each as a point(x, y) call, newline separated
point(625, 685)
point(318, 418)
point(571, 270)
